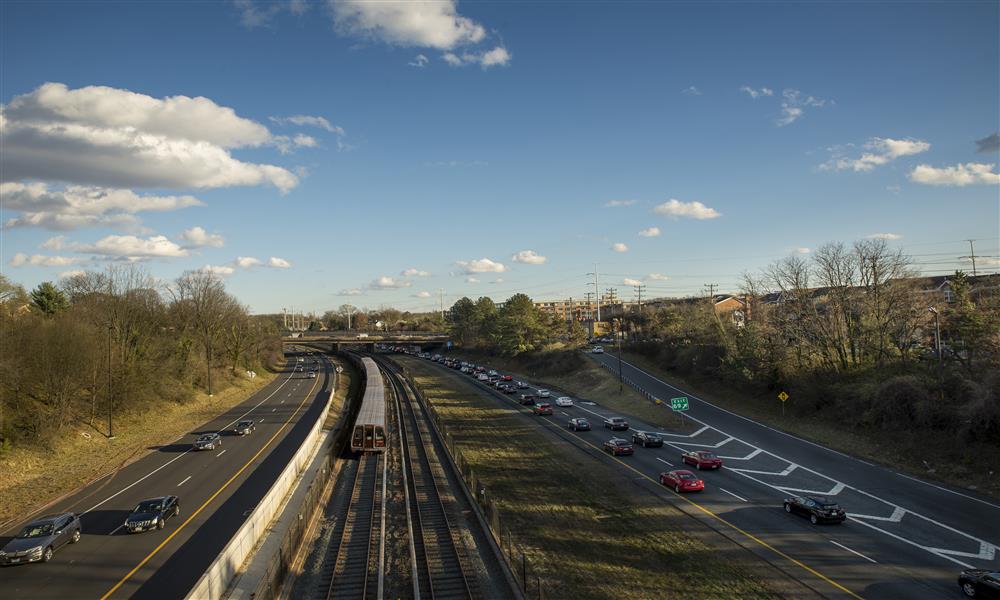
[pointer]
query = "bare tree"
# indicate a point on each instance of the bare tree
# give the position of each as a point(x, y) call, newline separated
point(203, 303)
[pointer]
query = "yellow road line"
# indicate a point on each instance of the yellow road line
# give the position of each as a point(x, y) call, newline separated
point(212, 497)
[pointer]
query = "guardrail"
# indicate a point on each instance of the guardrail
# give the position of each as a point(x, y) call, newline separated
point(219, 575)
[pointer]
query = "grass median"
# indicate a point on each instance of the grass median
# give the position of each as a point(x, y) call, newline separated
point(36, 476)
point(586, 528)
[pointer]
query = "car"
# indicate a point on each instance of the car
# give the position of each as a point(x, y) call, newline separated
point(312, 374)
point(564, 401)
point(618, 447)
point(38, 540)
point(298, 368)
point(509, 389)
point(597, 350)
point(578, 424)
point(483, 377)
point(507, 378)
point(209, 441)
point(682, 481)
point(647, 439)
point(817, 508)
point(980, 583)
point(245, 427)
point(616, 424)
point(527, 399)
point(542, 408)
point(493, 373)
point(542, 393)
point(152, 514)
point(702, 459)
point(522, 385)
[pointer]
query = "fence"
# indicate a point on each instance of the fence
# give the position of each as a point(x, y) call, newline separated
point(528, 577)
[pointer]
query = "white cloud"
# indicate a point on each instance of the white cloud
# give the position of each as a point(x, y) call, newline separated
point(220, 270)
point(116, 138)
point(309, 121)
point(881, 151)
point(793, 105)
point(694, 210)
point(71, 273)
point(757, 93)
point(245, 262)
point(959, 175)
point(657, 277)
point(40, 260)
point(456, 163)
point(54, 243)
point(616, 203)
point(197, 237)
point(388, 283)
point(492, 58)
point(801, 250)
point(419, 61)
point(691, 91)
point(885, 236)
point(631, 282)
point(619, 247)
point(422, 295)
point(351, 292)
point(253, 15)
point(471, 280)
point(132, 247)
point(497, 280)
point(413, 272)
point(298, 7)
point(414, 23)
point(483, 265)
point(528, 257)
point(278, 263)
point(650, 232)
point(305, 141)
point(74, 207)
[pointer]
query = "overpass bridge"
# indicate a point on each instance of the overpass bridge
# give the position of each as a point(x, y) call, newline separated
point(336, 340)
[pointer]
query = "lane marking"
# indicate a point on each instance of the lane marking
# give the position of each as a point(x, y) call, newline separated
point(178, 457)
point(747, 457)
point(221, 453)
point(734, 495)
point(207, 502)
point(872, 560)
point(115, 530)
point(274, 409)
point(944, 489)
point(910, 542)
point(791, 467)
point(664, 461)
point(185, 481)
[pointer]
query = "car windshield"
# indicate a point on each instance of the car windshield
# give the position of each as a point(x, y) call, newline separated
point(147, 506)
point(245, 423)
point(206, 438)
point(829, 506)
point(707, 455)
point(686, 476)
point(35, 530)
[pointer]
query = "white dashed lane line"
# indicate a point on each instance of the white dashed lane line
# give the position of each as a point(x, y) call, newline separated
point(220, 453)
point(854, 552)
point(664, 461)
point(735, 496)
point(185, 481)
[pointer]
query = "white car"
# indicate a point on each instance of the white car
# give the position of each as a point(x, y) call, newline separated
point(483, 377)
point(564, 401)
point(597, 350)
point(544, 393)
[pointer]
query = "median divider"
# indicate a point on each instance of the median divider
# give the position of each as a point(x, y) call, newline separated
point(223, 570)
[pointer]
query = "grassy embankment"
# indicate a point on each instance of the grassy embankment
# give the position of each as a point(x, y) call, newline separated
point(584, 525)
point(35, 476)
point(926, 454)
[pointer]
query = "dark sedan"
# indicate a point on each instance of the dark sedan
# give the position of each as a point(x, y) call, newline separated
point(818, 509)
point(39, 540)
point(245, 427)
point(528, 399)
point(618, 447)
point(152, 513)
point(647, 439)
point(578, 424)
point(980, 583)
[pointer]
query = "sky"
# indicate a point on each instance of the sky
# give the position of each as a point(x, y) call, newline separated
point(320, 153)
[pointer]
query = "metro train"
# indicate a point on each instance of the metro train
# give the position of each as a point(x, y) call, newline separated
point(369, 427)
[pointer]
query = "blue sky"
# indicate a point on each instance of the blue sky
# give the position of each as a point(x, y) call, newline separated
point(483, 130)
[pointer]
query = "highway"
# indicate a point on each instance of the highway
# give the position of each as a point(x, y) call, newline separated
point(217, 490)
point(904, 538)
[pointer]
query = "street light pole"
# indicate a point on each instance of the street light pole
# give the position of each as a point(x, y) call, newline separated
point(621, 378)
point(937, 332)
point(111, 433)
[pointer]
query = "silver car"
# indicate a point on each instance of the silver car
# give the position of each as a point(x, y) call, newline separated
point(39, 539)
point(209, 441)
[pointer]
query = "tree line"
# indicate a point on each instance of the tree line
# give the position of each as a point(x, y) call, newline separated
point(516, 326)
point(119, 340)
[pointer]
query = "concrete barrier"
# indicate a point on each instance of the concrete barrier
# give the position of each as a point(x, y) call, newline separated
point(216, 579)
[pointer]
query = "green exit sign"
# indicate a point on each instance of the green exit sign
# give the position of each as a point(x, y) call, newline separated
point(679, 403)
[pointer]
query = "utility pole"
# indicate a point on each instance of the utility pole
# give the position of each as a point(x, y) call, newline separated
point(590, 306)
point(711, 289)
point(111, 433)
point(638, 293)
point(284, 314)
point(618, 335)
point(570, 315)
point(441, 296)
point(972, 255)
point(597, 290)
point(612, 297)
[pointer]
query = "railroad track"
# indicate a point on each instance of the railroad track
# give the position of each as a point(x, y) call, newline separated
point(355, 571)
point(442, 566)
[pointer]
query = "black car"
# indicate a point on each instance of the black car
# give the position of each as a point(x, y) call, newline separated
point(152, 513)
point(245, 427)
point(509, 389)
point(528, 399)
point(647, 439)
point(980, 583)
point(578, 425)
point(616, 424)
point(818, 509)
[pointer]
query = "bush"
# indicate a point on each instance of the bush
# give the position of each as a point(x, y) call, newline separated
point(894, 405)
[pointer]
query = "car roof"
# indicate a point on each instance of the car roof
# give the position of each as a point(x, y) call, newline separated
point(682, 472)
point(48, 519)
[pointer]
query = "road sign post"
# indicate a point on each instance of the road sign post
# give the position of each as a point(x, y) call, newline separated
point(679, 405)
point(783, 396)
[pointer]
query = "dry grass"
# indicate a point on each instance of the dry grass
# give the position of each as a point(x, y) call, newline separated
point(34, 477)
point(587, 528)
point(919, 453)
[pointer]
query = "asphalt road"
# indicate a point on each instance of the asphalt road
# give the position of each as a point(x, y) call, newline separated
point(217, 491)
point(904, 539)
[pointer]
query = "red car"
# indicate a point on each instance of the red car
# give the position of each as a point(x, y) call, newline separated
point(702, 459)
point(508, 378)
point(682, 481)
point(542, 408)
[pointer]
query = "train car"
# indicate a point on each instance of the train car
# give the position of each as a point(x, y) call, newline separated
point(369, 428)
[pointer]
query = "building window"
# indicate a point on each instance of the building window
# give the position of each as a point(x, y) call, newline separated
point(949, 296)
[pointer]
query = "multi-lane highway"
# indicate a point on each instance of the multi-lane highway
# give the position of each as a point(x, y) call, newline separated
point(904, 538)
point(217, 490)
